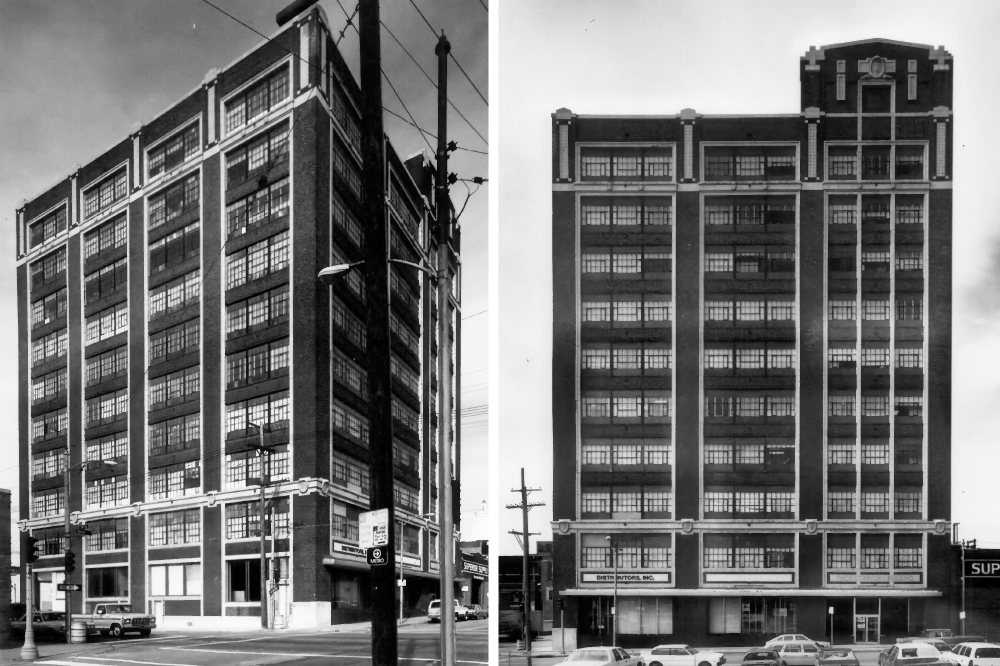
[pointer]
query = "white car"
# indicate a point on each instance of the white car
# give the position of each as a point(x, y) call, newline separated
point(974, 654)
point(778, 641)
point(434, 611)
point(804, 653)
point(679, 654)
point(601, 656)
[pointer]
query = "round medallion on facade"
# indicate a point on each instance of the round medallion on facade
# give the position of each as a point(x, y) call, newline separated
point(877, 67)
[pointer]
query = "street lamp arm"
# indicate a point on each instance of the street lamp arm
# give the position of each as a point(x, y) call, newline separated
point(419, 267)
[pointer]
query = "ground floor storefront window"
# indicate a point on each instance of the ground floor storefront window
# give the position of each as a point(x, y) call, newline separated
point(636, 616)
point(751, 615)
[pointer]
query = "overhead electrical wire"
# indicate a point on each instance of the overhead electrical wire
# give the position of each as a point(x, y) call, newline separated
point(452, 55)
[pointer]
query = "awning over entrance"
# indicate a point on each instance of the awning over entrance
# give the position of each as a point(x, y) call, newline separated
point(745, 592)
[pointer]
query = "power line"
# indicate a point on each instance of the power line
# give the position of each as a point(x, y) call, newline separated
point(386, 77)
point(350, 23)
point(474, 314)
point(433, 83)
point(461, 69)
point(484, 5)
point(430, 134)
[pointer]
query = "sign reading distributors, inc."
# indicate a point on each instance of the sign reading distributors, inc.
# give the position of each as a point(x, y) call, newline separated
point(373, 535)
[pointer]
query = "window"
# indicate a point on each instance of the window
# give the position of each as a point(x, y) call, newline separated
point(874, 558)
point(750, 359)
point(842, 358)
point(405, 497)
point(47, 503)
point(173, 202)
point(262, 207)
point(749, 310)
point(718, 358)
point(268, 256)
point(262, 311)
point(595, 501)
point(47, 309)
point(841, 405)
point(255, 158)
point(177, 434)
point(243, 468)
point(910, 406)
point(595, 359)
point(350, 373)
point(875, 405)
point(344, 526)
point(107, 535)
point(345, 219)
point(107, 408)
point(107, 492)
point(875, 262)
point(175, 580)
point(174, 249)
point(175, 341)
point(345, 168)
point(49, 464)
point(49, 425)
point(349, 473)
point(841, 558)
point(257, 100)
point(257, 364)
point(176, 294)
point(48, 227)
point(874, 502)
point(596, 310)
point(781, 359)
point(175, 388)
point(268, 411)
point(106, 281)
point(874, 309)
point(843, 213)
point(908, 558)
point(101, 196)
point(874, 452)
point(840, 452)
point(909, 213)
point(244, 579)
point(718, 310)
point(110, 447)
point(105, 237)
point(910, 261)
point(780, 406)
point(48, 267)
point(175, 480)
point(874, 357)
point(908, 502)
point(110, 364)
point(107, 582)
point(843, 310)
point(718, 262)
point(909, 310)
point(748, 551)
point(841, 502)
point(843, 165)
point(174, 151)
point(49, 347)
point(780, 310)
point(48, 386)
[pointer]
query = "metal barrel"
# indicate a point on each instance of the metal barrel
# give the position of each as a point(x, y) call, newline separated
point(78, 632)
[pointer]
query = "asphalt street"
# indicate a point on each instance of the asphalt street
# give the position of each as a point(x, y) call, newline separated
point(417, 644)
point(867, 656)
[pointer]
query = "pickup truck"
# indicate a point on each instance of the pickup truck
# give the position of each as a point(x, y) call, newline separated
point(946, 635)
point(117, 619)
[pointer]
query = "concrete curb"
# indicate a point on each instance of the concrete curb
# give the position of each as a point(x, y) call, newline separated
point(49, 650)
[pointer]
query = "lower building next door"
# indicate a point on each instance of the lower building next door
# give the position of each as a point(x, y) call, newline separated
point(866, 629)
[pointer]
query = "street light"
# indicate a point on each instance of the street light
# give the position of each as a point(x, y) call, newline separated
point(83, 466)
point(614, 604)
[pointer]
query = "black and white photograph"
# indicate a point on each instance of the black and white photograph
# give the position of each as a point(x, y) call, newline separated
point(748, 327)
point(246, 318)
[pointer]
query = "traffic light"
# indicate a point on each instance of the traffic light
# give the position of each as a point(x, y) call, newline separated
point(30, 549)
point(70, 562)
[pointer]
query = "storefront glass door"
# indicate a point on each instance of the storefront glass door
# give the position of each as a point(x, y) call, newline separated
point(866, 628)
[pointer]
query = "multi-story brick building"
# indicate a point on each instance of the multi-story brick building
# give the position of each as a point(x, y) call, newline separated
point(751, 360)
point(168, 302)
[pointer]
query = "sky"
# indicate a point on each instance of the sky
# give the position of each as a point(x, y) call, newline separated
point(727, 57)
point(77, 75)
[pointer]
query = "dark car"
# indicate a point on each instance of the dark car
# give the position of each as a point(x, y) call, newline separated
point(47, 625)
point(838, 657)
point(761, 658)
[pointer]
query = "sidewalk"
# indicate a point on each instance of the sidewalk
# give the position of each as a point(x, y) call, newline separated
point(48, 650)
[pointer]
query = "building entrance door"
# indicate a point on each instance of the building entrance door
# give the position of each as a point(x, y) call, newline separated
point(866, 628)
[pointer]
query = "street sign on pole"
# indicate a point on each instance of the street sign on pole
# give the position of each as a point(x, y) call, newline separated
point(69, 587)
point(376, 557)
point(373, 529)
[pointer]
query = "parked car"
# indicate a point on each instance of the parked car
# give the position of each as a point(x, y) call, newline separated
point(908, 654)
point(434, 611)
point(946, 635)
point(478, 612)
point(117, 619)
point(838, 657)
point(799, 654)
point(974, 654)
point(602, 656)
point(681, 655)
point(939, 643)
point(761, 658)
point(777, 641)
point(46, 625)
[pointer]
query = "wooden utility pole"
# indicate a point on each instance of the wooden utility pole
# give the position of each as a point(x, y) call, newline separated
point(376, 272)
point(443, 215)
point(524, 506)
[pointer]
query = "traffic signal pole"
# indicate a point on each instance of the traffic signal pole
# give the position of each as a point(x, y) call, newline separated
point(29, 650)
point(67, 595)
